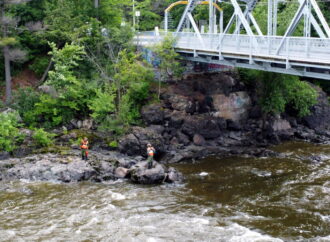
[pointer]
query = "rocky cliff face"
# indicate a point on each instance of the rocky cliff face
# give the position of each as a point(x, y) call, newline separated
point(216, 114)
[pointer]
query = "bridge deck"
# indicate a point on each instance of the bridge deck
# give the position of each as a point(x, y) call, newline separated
point(294, 55)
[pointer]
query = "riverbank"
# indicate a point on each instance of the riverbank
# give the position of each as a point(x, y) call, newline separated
point(216, 114)
point(200, 116)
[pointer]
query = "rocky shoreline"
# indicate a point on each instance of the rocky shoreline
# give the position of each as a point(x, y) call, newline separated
point(203, 115)
point(100, 167)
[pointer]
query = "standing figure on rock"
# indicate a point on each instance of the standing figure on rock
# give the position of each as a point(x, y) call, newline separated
point(151, 152)
point(84, 148)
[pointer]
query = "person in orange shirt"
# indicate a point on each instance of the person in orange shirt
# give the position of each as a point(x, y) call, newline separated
point(151, 152)
point(84, 148)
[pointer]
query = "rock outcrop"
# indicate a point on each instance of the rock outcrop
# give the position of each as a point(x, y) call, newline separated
point(70, 168)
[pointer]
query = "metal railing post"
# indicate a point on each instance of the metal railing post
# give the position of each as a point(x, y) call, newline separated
point(287, 64)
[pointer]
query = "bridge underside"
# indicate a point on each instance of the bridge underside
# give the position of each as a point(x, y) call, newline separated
point(278, 65)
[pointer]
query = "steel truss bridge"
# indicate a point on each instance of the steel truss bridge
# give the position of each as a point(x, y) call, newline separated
point(242, 44)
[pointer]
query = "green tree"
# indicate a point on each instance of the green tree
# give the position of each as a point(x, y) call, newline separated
point(7, 40)
point(169, 65)
point(279, 91)
point(72, 94)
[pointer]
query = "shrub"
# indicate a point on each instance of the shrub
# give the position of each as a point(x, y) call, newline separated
point(39, 65)
point(9, 132)
point(43, 138)
point(103, 104)
point(24, 102)
point(113, 144)
point(278, 92)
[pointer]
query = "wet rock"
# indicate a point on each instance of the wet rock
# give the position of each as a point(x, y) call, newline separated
point(141, 174)
point(198, 140)
point(121, 172)
point(47, 170)
point(153, 114)
point(173, 176)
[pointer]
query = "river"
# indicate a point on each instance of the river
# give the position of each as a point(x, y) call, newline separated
point(228, 199)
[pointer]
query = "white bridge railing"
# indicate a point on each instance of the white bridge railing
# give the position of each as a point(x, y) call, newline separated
point(290, 48)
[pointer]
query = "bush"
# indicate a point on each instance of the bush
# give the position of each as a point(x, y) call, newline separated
point(9, 132)
point(103, 104)
point(24, 102)
point(114, 144)
point(39, 65)
point(43, 138)
point(278, 92)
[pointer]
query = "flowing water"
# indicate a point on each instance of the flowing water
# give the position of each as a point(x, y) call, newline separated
point(231, 199)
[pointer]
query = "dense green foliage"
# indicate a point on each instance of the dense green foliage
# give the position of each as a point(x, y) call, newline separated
point(278, 92)
point(9, 132)
point(42, 138)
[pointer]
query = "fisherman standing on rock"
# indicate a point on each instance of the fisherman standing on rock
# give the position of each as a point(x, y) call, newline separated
point(84, 148)
point(151, 152)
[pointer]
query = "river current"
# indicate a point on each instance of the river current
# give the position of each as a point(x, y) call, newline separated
point(222, 199)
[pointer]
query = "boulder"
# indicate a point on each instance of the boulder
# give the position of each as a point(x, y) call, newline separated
point(130, 145)
point(182, 138)
point(50, 90)
point(199, 140)
point(153, 114)
point(121, 172)
point(235, 106)
point(176, 119)
point(157, 128)
point(180, 102)
point(141, 174)
point(320, 113)
point(205, 125)
point(87, 124)
point(4, 155)
point(173, 176)
point(280, 125)
point(136, 142)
